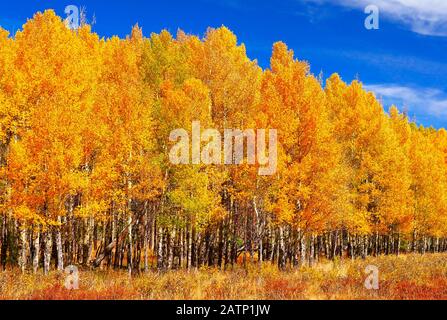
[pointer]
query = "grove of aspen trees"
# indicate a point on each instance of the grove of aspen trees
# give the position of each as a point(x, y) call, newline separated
point(85, 176)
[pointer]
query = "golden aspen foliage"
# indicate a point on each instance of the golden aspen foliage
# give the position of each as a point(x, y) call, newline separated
point(379, 178)
point(310, 178)
point(88, 126)
point(50, 90)
point(428, 182)
point(233, 79)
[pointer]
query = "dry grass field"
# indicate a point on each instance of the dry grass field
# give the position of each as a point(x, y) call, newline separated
point(404, 277)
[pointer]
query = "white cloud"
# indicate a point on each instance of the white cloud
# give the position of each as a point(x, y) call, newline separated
point(420, 101)
point(426, 17)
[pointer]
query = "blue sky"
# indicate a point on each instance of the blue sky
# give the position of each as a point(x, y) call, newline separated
point(404, 62)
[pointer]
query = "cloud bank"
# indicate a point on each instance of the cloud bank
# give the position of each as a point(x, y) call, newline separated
point(419, 101)
point(426, 17)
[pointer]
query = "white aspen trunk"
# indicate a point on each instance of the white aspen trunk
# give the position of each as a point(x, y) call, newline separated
point(272, 244)
point(91, 227)
point(334, 244)
point(23, 249)
point(146, 239)
point(189, 258)
point(84, 242)
point(36, 244)
point(424, 245)
point(327, 245)
point(60, 256)
point(303, 249)
point(71, 232)
point(48, 246)
point(87, 240)
point(376, 245)
point(160, 261)
point(198, 253)
point(153, 231)
point(282, 250)
point(341, 244)
point(182, 249)
point(129, 221)
point(114, 251)
point(259, 228)
point(130, 246)
point(312, 250)
point(363, 246)
point(351, 240)
point(414, 241)
point(171, 249)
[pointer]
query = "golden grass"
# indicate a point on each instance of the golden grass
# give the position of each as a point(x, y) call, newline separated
point(403, 277)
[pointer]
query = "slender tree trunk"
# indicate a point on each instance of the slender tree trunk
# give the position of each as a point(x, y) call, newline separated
point(424, 244)
point(199, 250)
point(181, 245)
point(23, 249)
point(303, 248)
point(4, 246)
point(170, 244)
point(189, 256)
point(146, 238)
point(71, 234)
point(376, 246)
point(220, 248)
point(282, 250)
point(48, 247)
point(414, 242)
point(334, 244)
point(351, 240)
point(312, 250)
point(36, 256)
point(60, 256)
point(130, 244)
point(259, 230)
point(363, 246)
point(85, 242)
point(160, 262)
point(272, 245)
